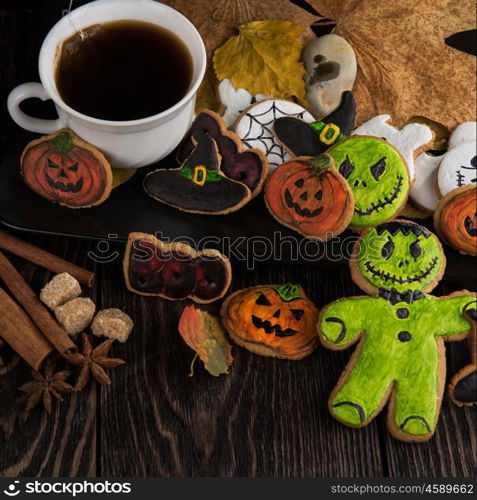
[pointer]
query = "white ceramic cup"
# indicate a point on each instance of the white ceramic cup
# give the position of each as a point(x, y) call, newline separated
point(126, 144)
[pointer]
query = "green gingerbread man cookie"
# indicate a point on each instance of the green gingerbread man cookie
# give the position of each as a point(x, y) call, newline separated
point(377, 175)
point(401, 331)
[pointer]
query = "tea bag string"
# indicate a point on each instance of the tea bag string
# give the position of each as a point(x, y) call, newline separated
point(67, 12)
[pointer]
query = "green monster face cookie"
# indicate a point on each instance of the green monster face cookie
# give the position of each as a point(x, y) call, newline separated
point(377, 175)
point(400, 255)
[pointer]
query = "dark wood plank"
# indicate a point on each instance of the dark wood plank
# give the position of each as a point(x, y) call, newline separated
point(65, 443)
point(266, 418)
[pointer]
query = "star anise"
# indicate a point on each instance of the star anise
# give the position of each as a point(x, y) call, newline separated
point(45, 386)
point(95, 362)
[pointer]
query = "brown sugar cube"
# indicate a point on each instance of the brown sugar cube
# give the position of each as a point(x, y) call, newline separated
point(62, 288)
point(76, 314)
point(112, 323)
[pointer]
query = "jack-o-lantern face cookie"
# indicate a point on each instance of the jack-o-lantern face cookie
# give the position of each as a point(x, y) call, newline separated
point(455, 219)
point(66, 170)
point(250, 166)
point(269, 320)
point(310, 197)
point(401, 331)
point(377, 175)
point(174, 271)
point(198, 186)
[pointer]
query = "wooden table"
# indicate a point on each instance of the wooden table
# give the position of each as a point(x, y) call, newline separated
point(266, 418)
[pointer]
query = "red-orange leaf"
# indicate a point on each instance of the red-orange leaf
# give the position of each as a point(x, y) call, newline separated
point(204, 334)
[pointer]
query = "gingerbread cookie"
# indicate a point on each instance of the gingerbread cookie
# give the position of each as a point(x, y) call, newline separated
point(235, 101)
point(255, 127)
point(272, 320)
point(198, 186)
point(174, 271)
point(455, 219)
point(331, 67)
point(66, 170)
point(422, 192)
point(457, 168)
point(309, 196)
point(410, 141)
point(401, 331)
point(312, 139)
point(249, 167)
point(463, 385)
point(377, 175)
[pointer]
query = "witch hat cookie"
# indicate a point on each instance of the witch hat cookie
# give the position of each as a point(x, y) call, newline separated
point(313, 139)
point(198, 185)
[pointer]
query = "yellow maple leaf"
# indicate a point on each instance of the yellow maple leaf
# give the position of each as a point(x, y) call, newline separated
point(264, 59)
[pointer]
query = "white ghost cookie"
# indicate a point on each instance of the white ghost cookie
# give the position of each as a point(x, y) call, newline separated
point(411, 140)
point(465, 132)
point(255, 127)
point(235, 100)
point(331, 67)
point(423, 192)
point(458, 168)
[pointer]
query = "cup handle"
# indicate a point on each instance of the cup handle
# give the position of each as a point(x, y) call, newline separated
point(26, 91)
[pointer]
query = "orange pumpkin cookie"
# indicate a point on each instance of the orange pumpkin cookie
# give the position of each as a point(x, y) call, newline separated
point(310, 197)
point(66, 170)
point(455, 219)
point(271, 320)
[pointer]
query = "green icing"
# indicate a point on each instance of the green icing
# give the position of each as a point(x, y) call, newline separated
point(212, 175)
point(318, 126)
point(411, 367)
point(63, 142)
point(377, 197)
point(288, 292)
point(393, 259)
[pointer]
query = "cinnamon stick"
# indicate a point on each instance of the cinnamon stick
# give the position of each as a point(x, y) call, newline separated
point(19, 331)
point(43, 258)
point(40, 315)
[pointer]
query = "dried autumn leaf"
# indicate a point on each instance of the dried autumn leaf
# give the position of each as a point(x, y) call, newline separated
point(264, 59)
point(122, 175)
point(204, 334)
point(217, 20)
point(405, 68)
point(206, 95)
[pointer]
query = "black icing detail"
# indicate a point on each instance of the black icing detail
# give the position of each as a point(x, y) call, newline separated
point(299, 183)
point(319, 195)
point(269, 328)
point(388, 249)
point(297, 313)
point(469, 227)
point(276, 314)
point(405, 228)
point(342, 334)
point(358, 408)
point(302, 140)
point(394, 297)
point(415, 417)
point(415, 250)
point(262, 300)
point(402, 313)
point(470, 310)
point(404, 336)
point(392, 277)
point(302, 212)
point(378, 169)
point(304, 196)
point(346, 168)
point(465, 390)
point(388, 200)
